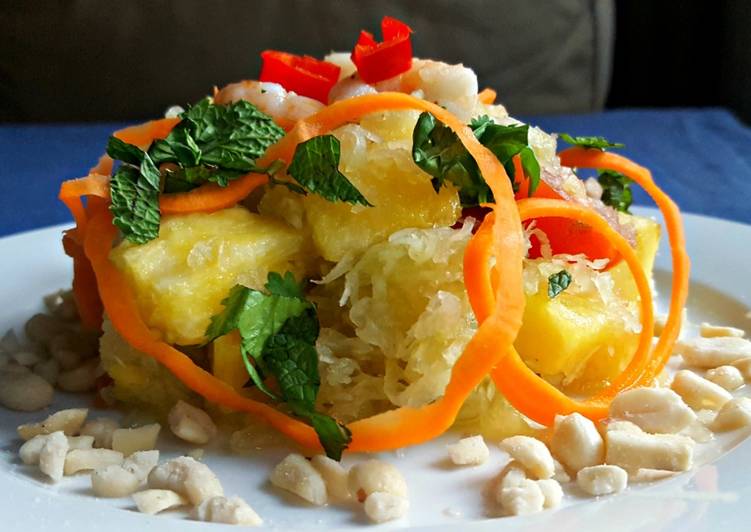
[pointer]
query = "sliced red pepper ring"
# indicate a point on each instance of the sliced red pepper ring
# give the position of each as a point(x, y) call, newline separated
point(525, 390)
point(380, 61)
point(305, 75)
point(565, 235)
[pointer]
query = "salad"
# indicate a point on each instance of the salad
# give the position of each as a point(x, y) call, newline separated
point(364, 251)
point(402, 257)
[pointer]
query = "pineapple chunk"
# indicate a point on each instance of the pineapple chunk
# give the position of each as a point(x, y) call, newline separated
point(376, 157)
point(579, 341)
point(181, 277)
point(138, 378)
point(226, 361)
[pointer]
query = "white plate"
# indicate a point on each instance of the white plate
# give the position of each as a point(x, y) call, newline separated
point(715, 496)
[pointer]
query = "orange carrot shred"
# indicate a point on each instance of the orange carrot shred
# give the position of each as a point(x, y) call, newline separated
point(487, 96)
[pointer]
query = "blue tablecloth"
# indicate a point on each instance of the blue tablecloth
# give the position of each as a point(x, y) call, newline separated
point(701, 157)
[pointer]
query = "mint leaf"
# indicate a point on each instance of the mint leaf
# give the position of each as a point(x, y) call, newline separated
point(616, 189)
point(437, 150)
point(558, 282)
point(219, 138)
point(284, 286)
point(122, 151)
point(135, 205)
point(315, 166)
point(598, 143)
point(279, 329)
point(211, 143)
point(334, 436)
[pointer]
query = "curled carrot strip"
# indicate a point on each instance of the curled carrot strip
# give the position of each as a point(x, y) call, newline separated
point(73, 190)
point(210, 197)
point(142, 135)
point(395, 428)
point(583, 158)
point(525, 390)
point(487, 96)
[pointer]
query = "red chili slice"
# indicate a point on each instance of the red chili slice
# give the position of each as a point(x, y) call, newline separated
point(379, 61)
point(302, 74)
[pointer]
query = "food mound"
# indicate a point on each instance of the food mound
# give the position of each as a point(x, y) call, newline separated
point(365, 250)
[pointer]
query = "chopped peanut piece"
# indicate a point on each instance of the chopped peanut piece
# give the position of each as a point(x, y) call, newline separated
point(525, 499)
point(374, 475)
point(81, 442)
point(84, 459)
point(334, 475)
point(633, 451)
point(652, 409)
point(381, 507)
point(101, 429)
point(729, 377)
point(113, 481)
point(576, 442)
point(469, 451)
point(532, 454)
point(191, 424)
point(296, 475)
point(29, 451)
point(154, 501)
point(602, 480)
point(561, 475)
point(512, 475)
point(744, 366)
point(698, 392)
point(188, 477)
point(230, 511)
point(713, 352)
point(141, 463)
point(734, 414)
point(551, 491)
point(708, 330)
point(52, 456)
point(128, 441)
point(69, 421)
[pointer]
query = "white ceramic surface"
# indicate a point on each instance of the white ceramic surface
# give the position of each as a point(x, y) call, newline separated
point(714, 496)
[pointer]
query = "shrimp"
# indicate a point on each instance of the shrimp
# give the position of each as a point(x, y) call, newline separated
point(451, 86)
point(284, 107)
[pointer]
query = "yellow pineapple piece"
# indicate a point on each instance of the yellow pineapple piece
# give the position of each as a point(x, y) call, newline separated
point(579, 341)
point(138, 378)
point(376, 157)
point(226, 361)
point(181, 277)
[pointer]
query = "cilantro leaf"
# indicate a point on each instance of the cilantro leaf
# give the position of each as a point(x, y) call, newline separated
point(315, 166)
point(438, 151)
point(616, 189)
point(279, 329)
point(558, 282)
point(135, 205)
point(599, 143)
